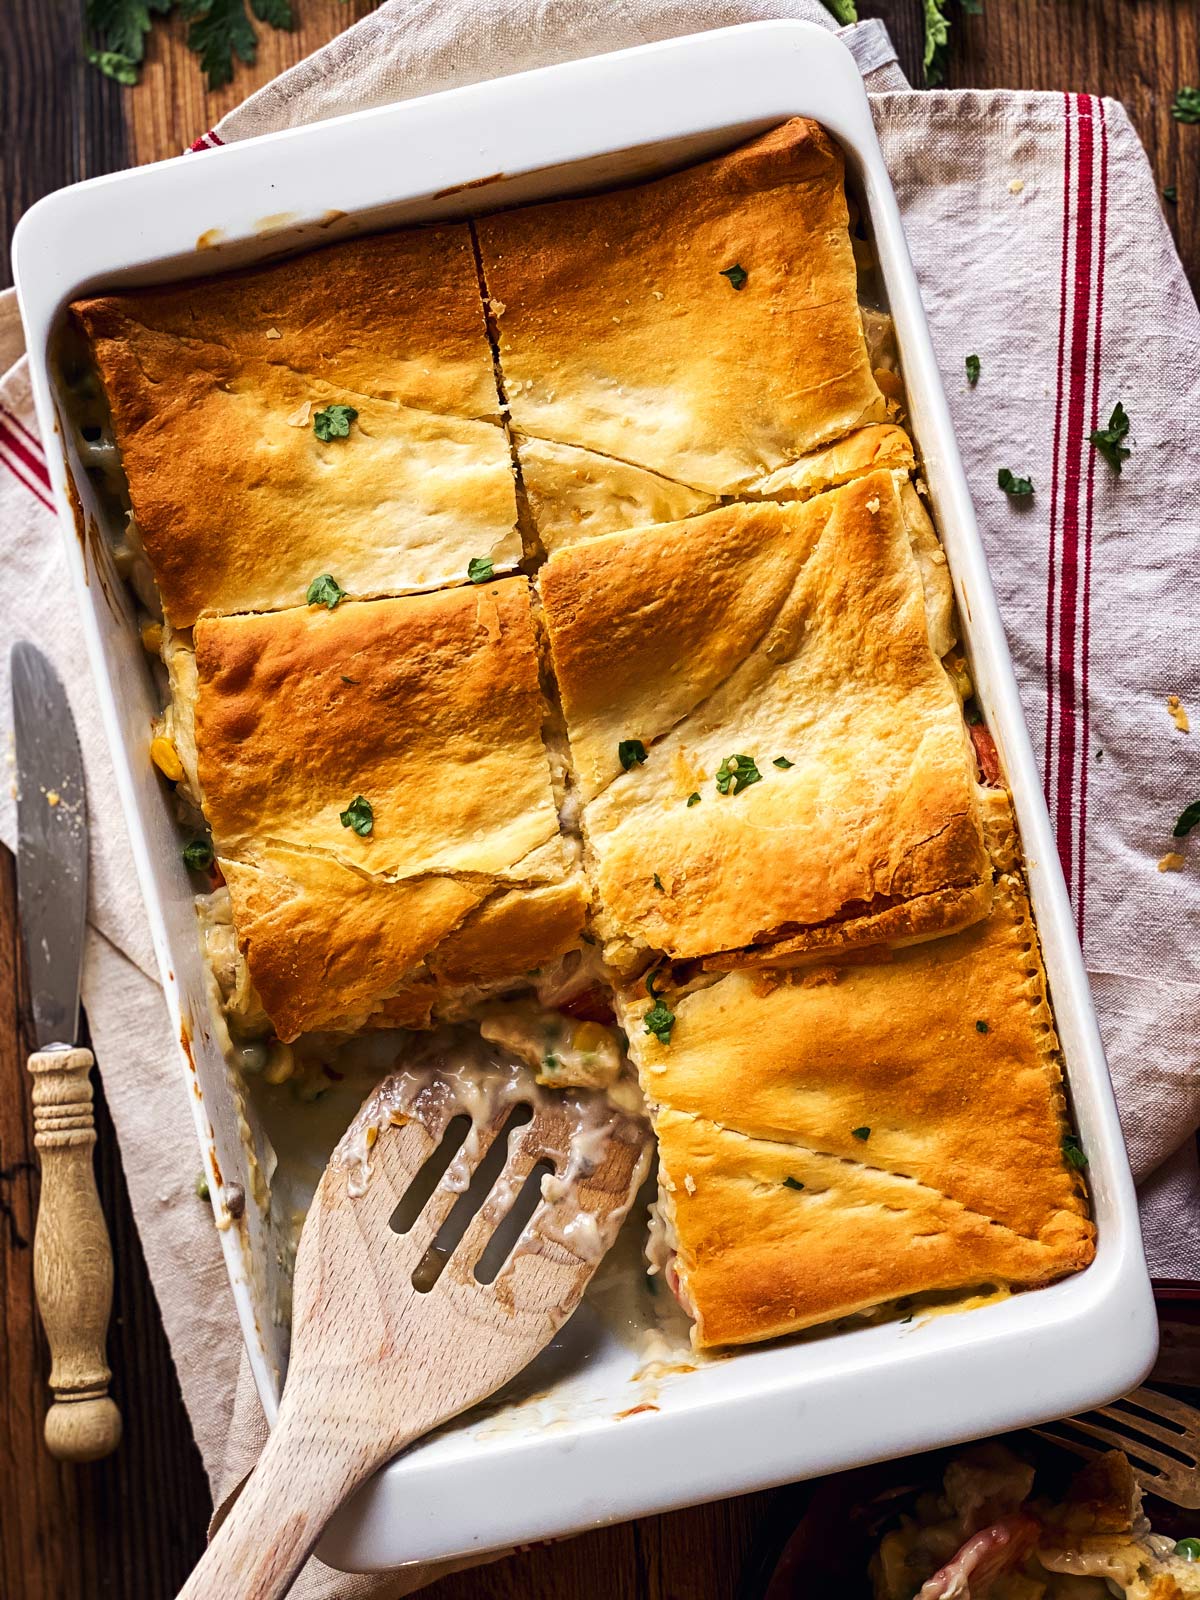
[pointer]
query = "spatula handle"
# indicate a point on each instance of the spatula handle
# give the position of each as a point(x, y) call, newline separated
point(305, 1472)
point(72, 1259)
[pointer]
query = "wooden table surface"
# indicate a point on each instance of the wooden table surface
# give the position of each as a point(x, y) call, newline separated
point(128, 1528)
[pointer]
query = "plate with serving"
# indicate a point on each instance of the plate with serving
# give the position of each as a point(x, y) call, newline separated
point(542, 625)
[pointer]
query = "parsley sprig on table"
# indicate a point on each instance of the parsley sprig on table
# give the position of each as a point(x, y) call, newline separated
point(220, 31)
point(1186, 106)
point(937, 29)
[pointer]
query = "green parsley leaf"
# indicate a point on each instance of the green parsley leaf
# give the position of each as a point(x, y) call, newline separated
point(1188, 818)
point(659, 1020)
point(334, 422)
point(1110, 441)
point(658, 884)
point(1013, 486)
point(693, 799)
point(1186, 105)
point(1073, 1151)
point(352, 681)
point(358, 815)
point(737, 773)
point(198, 855)
point(551, 1063)
point(220, 30)
point(1171, 195)
point(277, 12)
point(861, 1133)
point(972, 370)
point(1189, 1549)
point(202, 1192)
point(121, 26)
point(846, 11)
point(783, 763)
point(972, 712)
point(982, 1027)
point(114, 65)
point(793, 1183)
point(631, 753)
point(479, 569)
point(736, 275)
point(650, 989)
point(325, 591)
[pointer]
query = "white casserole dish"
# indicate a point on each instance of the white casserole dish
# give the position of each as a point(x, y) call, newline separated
point(565, 1459)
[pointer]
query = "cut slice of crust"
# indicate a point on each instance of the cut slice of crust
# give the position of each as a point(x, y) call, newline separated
point(625, 326)
point(797, 633)
point(213, 388)
point(913, 1098)
point(430, 708)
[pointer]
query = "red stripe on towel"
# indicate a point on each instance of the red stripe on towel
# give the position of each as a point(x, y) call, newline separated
point(1052, 553)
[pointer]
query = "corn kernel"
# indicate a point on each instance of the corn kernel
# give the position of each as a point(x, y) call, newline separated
point(281, 1064)
point(166, 758)
point(591, 1036)
point(152, 637)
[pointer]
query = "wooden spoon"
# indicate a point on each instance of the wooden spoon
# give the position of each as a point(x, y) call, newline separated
point(375, 1361)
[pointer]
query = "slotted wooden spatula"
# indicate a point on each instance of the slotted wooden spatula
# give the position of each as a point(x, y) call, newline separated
point(375, 1361)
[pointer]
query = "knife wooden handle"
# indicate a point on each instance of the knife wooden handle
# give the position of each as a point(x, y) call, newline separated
point(72, 1259)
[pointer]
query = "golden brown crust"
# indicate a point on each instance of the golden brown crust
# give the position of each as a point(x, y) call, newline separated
point(881, 446)
point(239, 503)
point(961, 1179)
point(576, 495)
point(619, 333)
point(430, 707)
point(796, 632)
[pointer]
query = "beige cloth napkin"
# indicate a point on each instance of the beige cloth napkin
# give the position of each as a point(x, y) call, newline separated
point(1035, 225)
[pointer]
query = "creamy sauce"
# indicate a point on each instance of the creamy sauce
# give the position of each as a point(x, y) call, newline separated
point(454, 1075)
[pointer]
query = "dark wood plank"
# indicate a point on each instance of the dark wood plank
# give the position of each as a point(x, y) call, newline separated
point(60, 120)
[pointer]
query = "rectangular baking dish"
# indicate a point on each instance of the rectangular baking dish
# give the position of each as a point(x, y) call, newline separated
point(598, 1435)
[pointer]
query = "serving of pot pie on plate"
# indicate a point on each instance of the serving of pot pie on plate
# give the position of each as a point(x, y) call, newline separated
point(559, 649)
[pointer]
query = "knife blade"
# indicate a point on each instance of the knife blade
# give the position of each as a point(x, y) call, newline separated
point(52, 844)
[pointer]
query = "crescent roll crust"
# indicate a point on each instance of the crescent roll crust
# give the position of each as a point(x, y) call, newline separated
point(430, 707)
point(213, 386)
point(851, 1133)
point(622, 327)
point(794, 633)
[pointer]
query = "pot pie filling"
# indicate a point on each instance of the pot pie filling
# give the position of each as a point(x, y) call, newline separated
point(557, 646)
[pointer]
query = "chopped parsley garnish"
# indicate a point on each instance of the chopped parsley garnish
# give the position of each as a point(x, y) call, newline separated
point(972, 712)
point(982, 1027)
point(325, 591)
point(1074, 1151)
point(658, 884)
point(358, 815)
point(202, 1190)
point(631, 753)
point(1186, 105)
point(861, 1133)
point(693, 799)
point(1013, 486)
point(1110, 441)
point(352, 681)
point(198, 855)
point(551, 1063)
point(1171, 195)
point(333, 423)
point(737, 773)
point(479, 569)
point(1189, 1549)
point(660, 1019)
point(792, 1183)
point(972, 365)
point(1188, 818)
point(783, 763)
point(736, 275)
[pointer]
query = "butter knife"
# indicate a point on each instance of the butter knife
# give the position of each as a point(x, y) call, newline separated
point(72, 1258)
